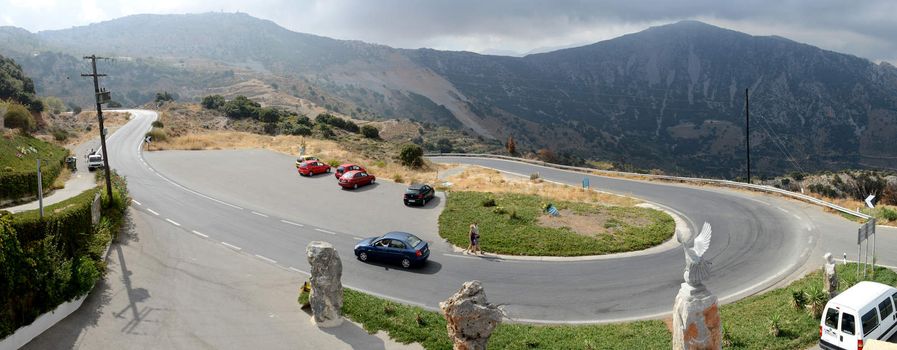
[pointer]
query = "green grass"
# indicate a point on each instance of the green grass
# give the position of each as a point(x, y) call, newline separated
point(745, 323)
point(503, 233)
point(10, 149)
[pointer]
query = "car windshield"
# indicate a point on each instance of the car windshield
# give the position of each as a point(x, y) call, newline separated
point(413, 240)
point(412, 191)
point(340, 169)
point(95, 157)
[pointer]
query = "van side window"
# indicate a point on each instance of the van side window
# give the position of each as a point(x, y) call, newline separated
point(870, 321)
point(848, 324)
point(885, 308)
point(831, 318)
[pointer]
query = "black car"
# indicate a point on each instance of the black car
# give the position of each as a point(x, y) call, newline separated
point(419, 194)
point(401, 247)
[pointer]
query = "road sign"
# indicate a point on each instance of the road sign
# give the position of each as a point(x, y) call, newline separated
point(869, 201)
point(585, 183)
point(866, 230)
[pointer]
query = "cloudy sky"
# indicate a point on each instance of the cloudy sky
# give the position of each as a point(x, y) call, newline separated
point(864, 28)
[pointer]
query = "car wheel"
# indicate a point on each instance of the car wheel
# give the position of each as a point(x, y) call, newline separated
point(363, 256)
point(355, 186)
point(406, 263)
point(372, 181)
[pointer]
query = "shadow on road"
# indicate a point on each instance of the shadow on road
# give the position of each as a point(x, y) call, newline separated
point(431, 204)
point(428, 268)
point(355, 336)
point(364, 188)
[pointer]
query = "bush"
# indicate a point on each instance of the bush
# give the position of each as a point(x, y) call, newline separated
point(444, 145)
point(798, 299)
point(213, 102)
point(499, 210)
point(157, 134)
point(301, 130)
point(411, 155)
point(59, 134)
point(158, 124)
point(534, 176)
point(325, 131)
point(241, 107)
point(888, 214)
point(330, 119)
point(398, 178)
point(18, 117)
point(270, 115)
point(489, 202)
point(370, 132)
point(333, 162)
point(165, 96)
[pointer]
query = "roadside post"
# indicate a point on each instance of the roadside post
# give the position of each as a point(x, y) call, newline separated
point(40, 190)
point(863, 233)
point(585, 183)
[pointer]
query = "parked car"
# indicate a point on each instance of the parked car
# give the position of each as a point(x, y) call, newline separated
point(401, 247)
point(94, 161)
point(863, 312)
point(419, 194)
point(342, 169)
point(305, 159)
point(356, 178)
point(311, 167)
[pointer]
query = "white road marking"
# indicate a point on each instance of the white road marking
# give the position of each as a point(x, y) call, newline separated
point(265, 259)
point(325, 231)
point(200, 234)
point(136, 202)
point(795, 216)
point(299, 271)
point(782, 209)
point(460, 256)
point(292, 223)
point(358, 238)
point(231, 246)
point(152, 211)
point(173, 222)
point(259, 214)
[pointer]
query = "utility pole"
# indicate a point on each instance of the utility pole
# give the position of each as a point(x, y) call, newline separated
point(747, 133)
point(101, 98)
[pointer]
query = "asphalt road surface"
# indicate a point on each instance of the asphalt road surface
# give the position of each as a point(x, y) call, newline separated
point(254, 202)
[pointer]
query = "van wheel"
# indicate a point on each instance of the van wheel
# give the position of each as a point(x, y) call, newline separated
point(406, 263)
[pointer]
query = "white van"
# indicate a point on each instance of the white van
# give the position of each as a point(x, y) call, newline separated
point(94, 161)
point(863, 312)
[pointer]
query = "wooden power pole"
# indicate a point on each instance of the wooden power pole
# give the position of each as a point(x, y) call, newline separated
point(101, 98)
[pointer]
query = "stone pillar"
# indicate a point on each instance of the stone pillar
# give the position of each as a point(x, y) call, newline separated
point(830, 279)
point(470, 318)
point(326, 297)
point(696, 321)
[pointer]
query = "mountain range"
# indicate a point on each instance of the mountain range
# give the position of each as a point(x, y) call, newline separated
point(670, 97)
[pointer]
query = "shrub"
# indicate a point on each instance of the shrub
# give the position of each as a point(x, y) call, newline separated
point(444, 145)
point(241, 107)
point(816, 299)
point(489, 202)
point(157, 134)
point(303, 120)
point(270, 115)
point(333, 162)
point(301, 130)
point(775, 327)
point(398, 178)
point(411, 155)
point(325, 131)
point(18, 117)
point(512, 215)
point(59, 134)
point(798, 299)
point(534, 176)
point(213, 102)
point(888, 214)
point(500, 210)
point(165, 96)
point(370, 132)
point(158, 124)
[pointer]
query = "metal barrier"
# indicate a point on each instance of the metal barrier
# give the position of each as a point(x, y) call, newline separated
point(761, 188)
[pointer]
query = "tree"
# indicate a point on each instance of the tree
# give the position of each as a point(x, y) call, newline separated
point(241, 107)
point(18, 117)
point(53, 104)
point(165, 96)
point(370, 132)
point(269, 115)
point(547, 155)
point(512, 146)
point(213, 102)
point(411, 155)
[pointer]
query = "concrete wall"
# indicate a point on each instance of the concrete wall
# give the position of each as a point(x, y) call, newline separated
point(25, 334)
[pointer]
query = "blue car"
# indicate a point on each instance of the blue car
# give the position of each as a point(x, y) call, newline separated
point(401, 247)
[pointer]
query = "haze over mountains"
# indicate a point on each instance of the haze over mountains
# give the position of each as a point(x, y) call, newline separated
point(669, 97)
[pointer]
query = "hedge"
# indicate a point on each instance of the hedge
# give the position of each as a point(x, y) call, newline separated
point(18, 177)
point(20, 184)
point(44, 263)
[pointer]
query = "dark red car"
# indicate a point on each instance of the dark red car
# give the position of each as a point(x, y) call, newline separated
point(355, 178)
point(342, 169)
point(311, 167)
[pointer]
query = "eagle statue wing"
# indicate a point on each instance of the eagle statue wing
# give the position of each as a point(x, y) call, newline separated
point(702, 242)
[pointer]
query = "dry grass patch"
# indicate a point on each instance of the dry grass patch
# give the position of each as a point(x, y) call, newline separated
point(487, 180)
point(328, 151)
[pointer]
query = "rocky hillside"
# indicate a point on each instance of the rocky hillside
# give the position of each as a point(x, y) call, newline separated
point(669, 97)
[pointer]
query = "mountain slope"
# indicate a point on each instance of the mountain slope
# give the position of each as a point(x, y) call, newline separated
point(669, 97)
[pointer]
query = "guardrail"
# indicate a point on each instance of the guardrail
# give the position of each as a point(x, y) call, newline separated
point(761, 188)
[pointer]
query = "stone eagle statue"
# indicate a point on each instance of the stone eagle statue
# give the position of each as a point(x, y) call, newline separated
point(696, 267)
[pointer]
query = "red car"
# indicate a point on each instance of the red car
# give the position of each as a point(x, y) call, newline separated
point(355, 178)
point(311, 167)
point(342, 169)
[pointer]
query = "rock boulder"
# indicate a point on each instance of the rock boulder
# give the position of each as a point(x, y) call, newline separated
point(470, 318)
point(326, 297)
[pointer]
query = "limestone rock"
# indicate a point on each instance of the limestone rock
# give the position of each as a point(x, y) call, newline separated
point(326, 297)
point(470, 319)
point(830, 280)
point(696, 320)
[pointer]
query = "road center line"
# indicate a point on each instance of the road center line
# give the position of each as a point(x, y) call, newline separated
point(795, 216)
point(200, 234)
point(292, 223)
point(259, 214)
point(298, 270)
point(325, 231)
point(152, 211)
point(136, 202)
point(173, 222)
point(265, 259)
point(231, 246)
point(782, 209)
point(357, 238)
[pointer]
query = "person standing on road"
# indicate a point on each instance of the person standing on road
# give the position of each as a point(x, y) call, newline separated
point(474, 235)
